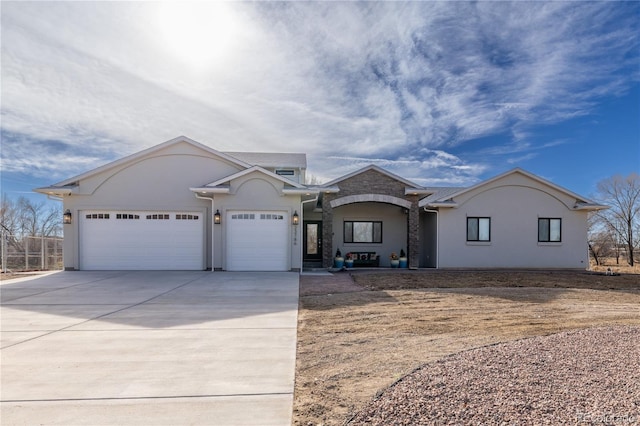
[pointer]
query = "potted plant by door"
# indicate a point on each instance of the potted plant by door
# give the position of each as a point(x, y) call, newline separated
point(348, 261)
point(338, 262)
point(403, 259)
point(395, 260)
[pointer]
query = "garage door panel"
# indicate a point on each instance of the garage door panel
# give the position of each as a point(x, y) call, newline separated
point(141, 241)
point(257, 240)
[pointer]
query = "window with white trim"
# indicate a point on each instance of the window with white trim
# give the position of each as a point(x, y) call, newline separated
point(549, 230)
point(478, 229)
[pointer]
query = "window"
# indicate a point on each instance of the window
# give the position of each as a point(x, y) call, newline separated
point(549, 230)
point(186, 217)
point(264, 216)
point(244, 216)
point(285, 172)
point(362, 232)
point(478, 229)
point(97, 216)
point(158, 216)
point(127, 216)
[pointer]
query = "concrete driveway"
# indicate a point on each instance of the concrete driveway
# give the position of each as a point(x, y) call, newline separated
point(142, 348)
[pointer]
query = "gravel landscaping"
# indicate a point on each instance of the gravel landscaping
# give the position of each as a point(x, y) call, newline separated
point(363, 331)
point(589, 376)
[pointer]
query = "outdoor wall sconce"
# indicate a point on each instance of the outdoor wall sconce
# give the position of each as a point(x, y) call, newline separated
point(217, 219)
point(295, 218)
point(66, 217)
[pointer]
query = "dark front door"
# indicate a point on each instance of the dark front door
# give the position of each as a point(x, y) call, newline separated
point(312, 241)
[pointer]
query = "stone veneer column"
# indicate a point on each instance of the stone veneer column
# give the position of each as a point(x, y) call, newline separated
point(413, 235)
point(327, 231)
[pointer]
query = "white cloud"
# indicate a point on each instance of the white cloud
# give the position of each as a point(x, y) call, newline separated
point(432, 168)
point(522, 158)
point(400, 82)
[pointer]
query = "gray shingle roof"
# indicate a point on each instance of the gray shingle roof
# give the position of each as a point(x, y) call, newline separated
point(441, 194)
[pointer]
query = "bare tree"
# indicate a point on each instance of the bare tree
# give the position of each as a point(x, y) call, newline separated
point(597, 238)
point(602, 245)
point(24, 218)
point(9, 216)
point(312, 180)
point(39, 219)
point(622, 194)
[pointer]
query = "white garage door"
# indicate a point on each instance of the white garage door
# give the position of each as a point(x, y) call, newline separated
point(257, 240)
point(141, 240)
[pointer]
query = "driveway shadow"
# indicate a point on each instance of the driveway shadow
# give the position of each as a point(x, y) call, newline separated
point(104, 300)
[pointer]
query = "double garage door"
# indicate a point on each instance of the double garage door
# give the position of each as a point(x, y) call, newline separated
point(152, 240)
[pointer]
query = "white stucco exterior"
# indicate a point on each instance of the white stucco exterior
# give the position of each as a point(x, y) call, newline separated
point(183, 185)
point(513, 203)
point(161, 180)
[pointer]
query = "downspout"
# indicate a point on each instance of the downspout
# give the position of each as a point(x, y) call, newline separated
point(437, 235)
point(213, 227)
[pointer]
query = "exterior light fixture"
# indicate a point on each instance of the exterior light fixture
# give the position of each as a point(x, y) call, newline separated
point(217, 219)
point(66, 217)
point(295, 219)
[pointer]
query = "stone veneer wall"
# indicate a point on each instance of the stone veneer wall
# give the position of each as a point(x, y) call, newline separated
point(371, 182)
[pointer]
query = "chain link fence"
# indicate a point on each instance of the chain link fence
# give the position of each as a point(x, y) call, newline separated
point(31, 253)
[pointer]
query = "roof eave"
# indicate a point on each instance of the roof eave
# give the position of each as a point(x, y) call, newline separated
point(329, 189)
point(210, 190)
point(442, 204)
point(418, 191)
point(300, 191)
point(590, 206)
point(52, 190)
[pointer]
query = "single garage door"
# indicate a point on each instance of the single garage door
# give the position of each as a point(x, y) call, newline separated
point(141, 240)
point(257, 240)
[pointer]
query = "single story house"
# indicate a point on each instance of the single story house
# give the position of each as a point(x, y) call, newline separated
point(182, 205)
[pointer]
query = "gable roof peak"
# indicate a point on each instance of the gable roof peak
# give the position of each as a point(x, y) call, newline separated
point(257, 169)
point(374, 168)
point(581, 202)
point(149, 151)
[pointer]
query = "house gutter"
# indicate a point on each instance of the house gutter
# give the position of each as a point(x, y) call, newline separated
point(437, 235)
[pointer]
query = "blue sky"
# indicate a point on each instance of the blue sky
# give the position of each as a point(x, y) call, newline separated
point(441, 93)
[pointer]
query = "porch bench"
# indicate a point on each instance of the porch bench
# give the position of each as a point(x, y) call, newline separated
point(365, 258)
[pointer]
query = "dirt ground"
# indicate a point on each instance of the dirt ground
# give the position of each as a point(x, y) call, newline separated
point(358, 333)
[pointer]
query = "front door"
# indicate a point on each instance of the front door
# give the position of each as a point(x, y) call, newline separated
point(312, 241)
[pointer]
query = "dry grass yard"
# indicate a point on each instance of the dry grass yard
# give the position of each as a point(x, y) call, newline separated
point(359, 333)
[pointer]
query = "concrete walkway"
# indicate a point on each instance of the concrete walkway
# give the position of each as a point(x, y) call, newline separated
point(141, 348)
